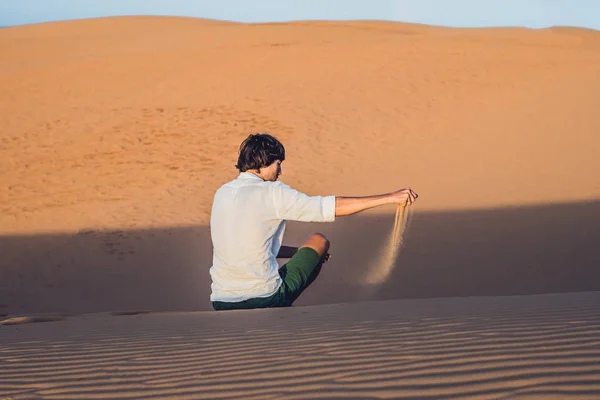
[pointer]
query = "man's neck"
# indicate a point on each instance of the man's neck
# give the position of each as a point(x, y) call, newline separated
point(254, 172)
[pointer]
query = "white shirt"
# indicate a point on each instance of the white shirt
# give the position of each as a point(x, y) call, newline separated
point(247, 224)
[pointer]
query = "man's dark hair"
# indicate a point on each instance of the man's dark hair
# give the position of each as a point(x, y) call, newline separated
point(258, 151)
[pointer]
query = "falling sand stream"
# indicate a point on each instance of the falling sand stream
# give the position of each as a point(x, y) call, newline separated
point(382, 267)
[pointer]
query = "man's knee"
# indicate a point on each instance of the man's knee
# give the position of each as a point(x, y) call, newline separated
point(318, 242)
point(321, 240)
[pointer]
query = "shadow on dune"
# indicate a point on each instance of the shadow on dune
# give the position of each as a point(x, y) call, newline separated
point(512, 251)
point(498, 252)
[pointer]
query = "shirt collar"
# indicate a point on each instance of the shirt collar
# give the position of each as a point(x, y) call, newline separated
point(249, 175)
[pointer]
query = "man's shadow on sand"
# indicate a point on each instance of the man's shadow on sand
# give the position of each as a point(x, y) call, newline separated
point(498, 252)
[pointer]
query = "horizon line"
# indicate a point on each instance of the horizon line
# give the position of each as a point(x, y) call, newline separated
point(292, 21)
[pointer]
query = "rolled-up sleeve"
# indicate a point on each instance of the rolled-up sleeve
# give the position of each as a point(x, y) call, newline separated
point(293, 205)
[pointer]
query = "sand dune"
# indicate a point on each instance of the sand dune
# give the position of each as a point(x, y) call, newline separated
point(533, 347)
point(116, 132)
point(133, 122)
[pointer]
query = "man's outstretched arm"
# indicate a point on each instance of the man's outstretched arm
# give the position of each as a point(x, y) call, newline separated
point(353, 205)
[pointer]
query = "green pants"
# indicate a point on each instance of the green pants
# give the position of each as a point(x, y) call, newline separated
point(302, 269)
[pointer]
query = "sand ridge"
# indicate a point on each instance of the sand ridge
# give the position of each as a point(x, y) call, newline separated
point(529, 347)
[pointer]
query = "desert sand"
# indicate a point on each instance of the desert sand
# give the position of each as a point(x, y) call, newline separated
point(115, 133)
point(529, 347)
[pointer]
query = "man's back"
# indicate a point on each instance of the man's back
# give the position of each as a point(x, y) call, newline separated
point(247, 226)
point(245, 232)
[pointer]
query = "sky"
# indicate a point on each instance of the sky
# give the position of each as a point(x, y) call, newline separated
point(459, 13)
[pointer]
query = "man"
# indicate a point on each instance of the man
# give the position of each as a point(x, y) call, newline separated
point(247, 226)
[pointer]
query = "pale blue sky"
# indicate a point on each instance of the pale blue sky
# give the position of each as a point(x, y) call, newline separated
point(464, 13)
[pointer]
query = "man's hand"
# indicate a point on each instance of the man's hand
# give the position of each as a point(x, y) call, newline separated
point(404, 196)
